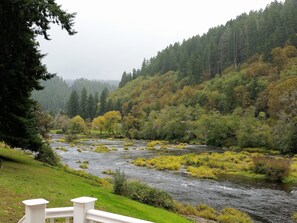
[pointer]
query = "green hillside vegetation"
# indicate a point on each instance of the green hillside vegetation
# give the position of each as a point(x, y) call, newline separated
point(235, 85)
point(201, 58)
point(23, 178)
point(251, 106)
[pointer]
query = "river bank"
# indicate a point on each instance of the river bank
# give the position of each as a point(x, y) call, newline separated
point(264, 201)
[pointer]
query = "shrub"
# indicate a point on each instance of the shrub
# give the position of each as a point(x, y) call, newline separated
point(148, 195)
point(165, 163)
point(120, 183)
point(47, 155)
point(108, 172)
point(59, 132)
point(70, 138)
point(202, 172)
point(83, 166)
point(139, 162)
point(102, 149)
point(275, 169)
point(201, 210)
point(231, 215)
point(141, 192)
point(62, 149)
point(185, 209)
point(153, 143)
point(207, 212)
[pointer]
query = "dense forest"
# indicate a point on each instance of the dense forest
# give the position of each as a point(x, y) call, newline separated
point(234, 86)
point(200, 58)
point(56, 93)
point(254, 106)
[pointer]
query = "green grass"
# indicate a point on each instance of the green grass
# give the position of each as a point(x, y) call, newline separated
point(24, 178)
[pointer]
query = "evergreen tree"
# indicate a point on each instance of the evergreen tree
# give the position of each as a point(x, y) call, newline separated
point(96, 102)
point(83, 104)
point(90, 107)
point(202, 57)
point(20, 65)
point(73, 105)
point(103, 102)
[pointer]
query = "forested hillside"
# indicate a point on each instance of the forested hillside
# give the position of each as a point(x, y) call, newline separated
point(234, 86)
point(56, 92)
point(200, 58)
point(251, 106)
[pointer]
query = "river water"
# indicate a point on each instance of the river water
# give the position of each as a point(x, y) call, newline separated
point(263, 201)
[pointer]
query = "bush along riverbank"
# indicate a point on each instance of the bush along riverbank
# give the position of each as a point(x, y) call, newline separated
point(158, 198)
point(214, 165)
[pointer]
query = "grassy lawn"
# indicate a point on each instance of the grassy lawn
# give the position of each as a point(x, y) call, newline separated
point(24, 178)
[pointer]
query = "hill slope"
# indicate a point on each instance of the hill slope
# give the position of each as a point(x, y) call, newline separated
point(251, 106)
point(23, 178)
point(200, 58)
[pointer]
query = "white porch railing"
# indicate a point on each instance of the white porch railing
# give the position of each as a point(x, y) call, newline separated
point(82, 212)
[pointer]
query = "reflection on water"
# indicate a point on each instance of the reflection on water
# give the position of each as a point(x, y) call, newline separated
point(264, 201)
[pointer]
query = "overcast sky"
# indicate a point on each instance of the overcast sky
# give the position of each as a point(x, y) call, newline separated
point(116, 35)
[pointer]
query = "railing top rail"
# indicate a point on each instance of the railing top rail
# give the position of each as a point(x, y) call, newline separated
point(102, 216)
point(59, 212)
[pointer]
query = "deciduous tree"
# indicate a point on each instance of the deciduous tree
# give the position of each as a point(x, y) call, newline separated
point(77, 125)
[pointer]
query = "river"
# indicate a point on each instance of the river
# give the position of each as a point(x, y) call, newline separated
point(263, 201)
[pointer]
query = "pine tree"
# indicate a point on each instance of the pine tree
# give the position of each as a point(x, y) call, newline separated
point(73, 105)
point(96, 103)
point(21, 68)
point(103, 102)
point(83, 103)
point(90, 107)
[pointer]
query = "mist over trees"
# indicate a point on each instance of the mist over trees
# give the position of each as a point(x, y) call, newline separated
point(55, 95)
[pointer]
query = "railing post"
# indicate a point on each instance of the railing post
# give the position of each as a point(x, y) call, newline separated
point(81, 206)
point(35, 210)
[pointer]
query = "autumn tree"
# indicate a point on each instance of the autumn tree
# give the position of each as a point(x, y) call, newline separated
point(282, 105)
point(99, 123)
point(283, 97)
point(112, 121)
point(77, 125)
point(61, 121)
point(131, 126)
